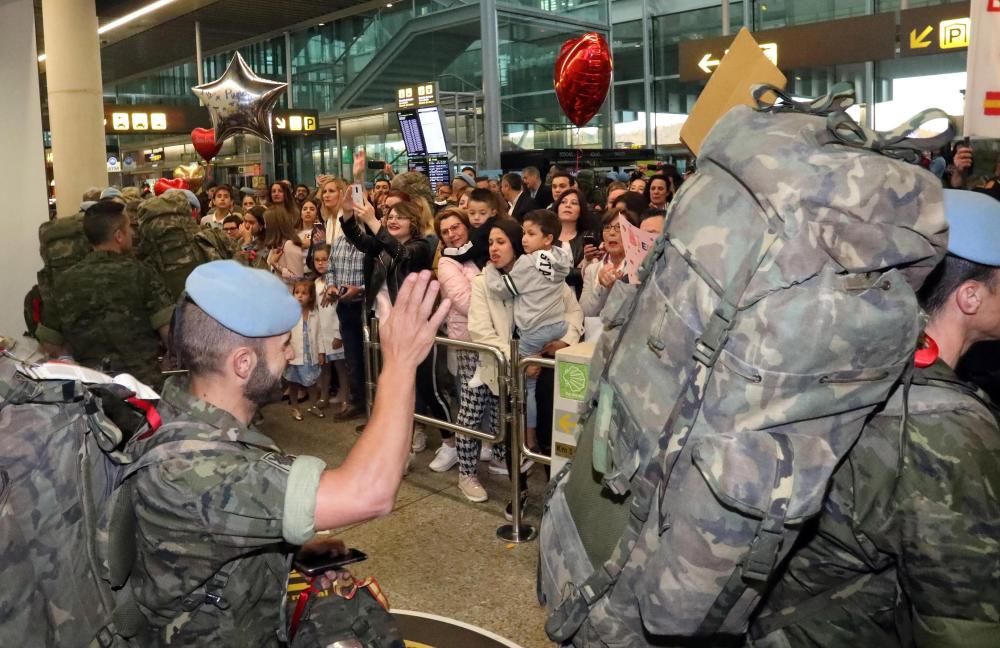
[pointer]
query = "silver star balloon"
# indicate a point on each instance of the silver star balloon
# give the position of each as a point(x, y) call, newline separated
point(240, 101)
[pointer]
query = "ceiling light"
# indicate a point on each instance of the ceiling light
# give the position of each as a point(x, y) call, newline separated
point(388, 4)
point(127, 18)
point(138, 13)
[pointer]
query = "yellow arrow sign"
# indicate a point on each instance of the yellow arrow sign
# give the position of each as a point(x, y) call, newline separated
point(567, 424)
point(920, 42)
point(707, 63)
point(279, 122)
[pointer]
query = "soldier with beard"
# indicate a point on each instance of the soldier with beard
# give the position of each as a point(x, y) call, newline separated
point(218, 519)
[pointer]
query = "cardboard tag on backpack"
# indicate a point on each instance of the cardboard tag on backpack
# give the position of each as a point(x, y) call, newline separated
point(743, 66)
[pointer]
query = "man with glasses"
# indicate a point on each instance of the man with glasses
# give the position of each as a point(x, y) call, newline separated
point(231, 226)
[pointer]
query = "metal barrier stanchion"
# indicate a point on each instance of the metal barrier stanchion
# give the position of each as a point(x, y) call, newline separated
point(369, 333)
point(517, 532)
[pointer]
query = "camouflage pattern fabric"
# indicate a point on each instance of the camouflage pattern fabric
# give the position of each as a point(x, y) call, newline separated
point(254, 256)
point(58, 457)
point(211, 559)
point(107, 310)
point(214, 244)
point(916, 513)
point(167, 234)
point(776, 314)
point(62, 245)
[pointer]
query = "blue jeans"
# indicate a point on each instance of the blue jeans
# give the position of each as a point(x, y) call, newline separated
point(532, 341)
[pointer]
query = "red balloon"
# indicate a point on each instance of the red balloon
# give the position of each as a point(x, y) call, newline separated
point(583, 76)
point(204, 142)
point(173, 183)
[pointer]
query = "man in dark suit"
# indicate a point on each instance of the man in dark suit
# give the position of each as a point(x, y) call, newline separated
point(540, 193)
point(513, 190)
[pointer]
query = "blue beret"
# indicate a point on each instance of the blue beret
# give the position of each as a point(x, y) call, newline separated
point(191, 198)
point(111, 192)
point(973, 226)
point(253, 303)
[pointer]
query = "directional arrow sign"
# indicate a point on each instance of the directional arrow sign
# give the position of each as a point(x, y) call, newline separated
point(567, 424)
point(707, 63)
point(280, 122)
point(921, 41)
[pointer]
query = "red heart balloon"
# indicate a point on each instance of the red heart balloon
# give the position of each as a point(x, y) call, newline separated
point(173, 183)
point(583, 76)
point(204, 142)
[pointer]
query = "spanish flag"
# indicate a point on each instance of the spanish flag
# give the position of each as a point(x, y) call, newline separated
point(982, 95)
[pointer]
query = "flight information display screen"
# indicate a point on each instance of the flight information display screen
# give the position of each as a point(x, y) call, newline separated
point(430, 124)
point(413, 137)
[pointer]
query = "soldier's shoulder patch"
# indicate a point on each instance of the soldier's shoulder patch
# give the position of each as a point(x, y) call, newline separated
point(278, 460)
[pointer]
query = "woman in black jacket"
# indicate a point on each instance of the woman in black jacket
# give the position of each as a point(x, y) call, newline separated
point(395, 247)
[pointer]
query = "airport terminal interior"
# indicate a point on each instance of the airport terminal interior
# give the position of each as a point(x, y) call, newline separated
point(634, 208)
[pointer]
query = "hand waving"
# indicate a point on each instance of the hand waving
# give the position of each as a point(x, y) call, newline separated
point(407, 333)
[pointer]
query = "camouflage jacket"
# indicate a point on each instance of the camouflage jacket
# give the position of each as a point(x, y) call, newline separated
point(215, 529)
point(108, 308)
point(906, 549)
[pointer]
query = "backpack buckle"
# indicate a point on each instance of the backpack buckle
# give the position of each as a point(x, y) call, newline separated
point(763, 552)
point(709, 344)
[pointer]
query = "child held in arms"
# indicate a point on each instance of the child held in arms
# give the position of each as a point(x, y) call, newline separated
point(536, 284)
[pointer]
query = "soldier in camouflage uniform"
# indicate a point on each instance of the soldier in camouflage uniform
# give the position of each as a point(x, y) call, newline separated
point(906, 550)
point(109, 311)
point(216, 524)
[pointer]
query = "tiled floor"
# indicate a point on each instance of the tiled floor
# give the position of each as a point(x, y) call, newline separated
point(436, 552)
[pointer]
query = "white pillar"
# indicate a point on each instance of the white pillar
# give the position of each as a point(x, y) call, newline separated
point(76, 112)
point(22, 161)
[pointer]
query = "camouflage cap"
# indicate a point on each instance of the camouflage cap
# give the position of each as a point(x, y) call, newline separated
point(973, 226)
point(253, 303)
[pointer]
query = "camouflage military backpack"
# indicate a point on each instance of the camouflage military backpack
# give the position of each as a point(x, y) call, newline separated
point(214, 243)
point(59, 456)
point(167, 239)
point(62, 244)
point(775, 314)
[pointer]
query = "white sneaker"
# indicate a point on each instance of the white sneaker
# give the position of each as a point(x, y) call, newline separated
point(498, 468)
point(486, 452)
point(445, 458)
point(471, 488)
point(419, 443)
point(527, 465)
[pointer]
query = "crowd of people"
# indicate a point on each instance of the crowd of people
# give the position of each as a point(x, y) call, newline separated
point(525, 254)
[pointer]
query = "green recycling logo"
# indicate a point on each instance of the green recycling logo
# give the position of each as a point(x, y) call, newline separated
point(573, 380)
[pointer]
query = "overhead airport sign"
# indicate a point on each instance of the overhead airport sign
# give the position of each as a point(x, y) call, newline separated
point(851, 40)
point(416, 96)
point(936, 29)
point(177, 120)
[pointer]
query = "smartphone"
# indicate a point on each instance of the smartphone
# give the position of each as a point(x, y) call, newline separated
point(358, 194)
point(591, 238)
point(315, 564)
point(376, 165)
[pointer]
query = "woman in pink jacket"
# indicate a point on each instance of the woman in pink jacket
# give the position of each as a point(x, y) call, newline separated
point(452, 227)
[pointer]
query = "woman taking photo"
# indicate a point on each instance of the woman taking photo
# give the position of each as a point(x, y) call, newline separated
point(345, 287)
point(452, 226)
point(395, 247)
point(286, 256)
point(599, 277)
point(491, 318)
point(578, 235)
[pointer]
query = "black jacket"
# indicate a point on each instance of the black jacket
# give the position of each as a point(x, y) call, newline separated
point(544, 196)
point(387, 261)
point(523, 205)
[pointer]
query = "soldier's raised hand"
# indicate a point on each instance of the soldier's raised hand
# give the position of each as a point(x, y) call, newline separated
point(407, 333)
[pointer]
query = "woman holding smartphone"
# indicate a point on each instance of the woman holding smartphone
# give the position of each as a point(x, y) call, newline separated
point(579, 234)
